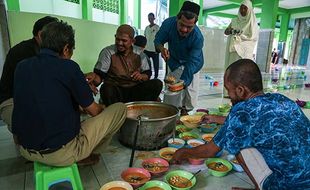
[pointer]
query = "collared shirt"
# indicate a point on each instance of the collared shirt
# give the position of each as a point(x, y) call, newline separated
point(149, 33)
point(115, 68)
point(23, 50)
point(279, 130)
point(47, 93)
point(186, 51)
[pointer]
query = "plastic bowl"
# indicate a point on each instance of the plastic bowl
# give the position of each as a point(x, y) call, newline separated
point(215, 172)
point(208, 127)
point(195, 142)
point(136, 176)
point(191, 121)
point(167, 153)
point(176, 86)
point(182, 128)
point(207, 137)
point(181, 173)
point(307, 105)
point(117, 184)
point(188, 135)
point(196, 161)
point(155, 183)
point(156, 166)
point(224, 108)
point(176, 142)
point(202, 110)
point(236, 166)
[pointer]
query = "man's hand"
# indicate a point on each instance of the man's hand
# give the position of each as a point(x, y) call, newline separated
point(165, 54)
point(137, 76)
point(213, 119)
point(179, 156)
point(93, 79)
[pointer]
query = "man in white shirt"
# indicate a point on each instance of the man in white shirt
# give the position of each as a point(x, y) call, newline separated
point(150, 32)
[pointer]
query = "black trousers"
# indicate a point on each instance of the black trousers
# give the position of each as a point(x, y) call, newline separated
point(155, 58)
point(144, 91)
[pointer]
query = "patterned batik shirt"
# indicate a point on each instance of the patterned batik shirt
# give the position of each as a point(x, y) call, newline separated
point(279, 130)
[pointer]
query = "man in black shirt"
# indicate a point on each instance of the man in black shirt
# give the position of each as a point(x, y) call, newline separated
point(19, 52)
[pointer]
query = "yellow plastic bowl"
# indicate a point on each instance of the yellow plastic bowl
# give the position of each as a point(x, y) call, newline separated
point(191, 121)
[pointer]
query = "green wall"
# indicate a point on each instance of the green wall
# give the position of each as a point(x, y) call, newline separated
point(90, 37)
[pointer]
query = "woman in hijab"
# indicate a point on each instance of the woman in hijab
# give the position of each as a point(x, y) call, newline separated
point(243, 32)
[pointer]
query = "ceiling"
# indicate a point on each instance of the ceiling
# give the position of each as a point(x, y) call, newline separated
point(284, 4)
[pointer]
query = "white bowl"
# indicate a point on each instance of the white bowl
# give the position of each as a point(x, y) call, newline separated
point(236, 167)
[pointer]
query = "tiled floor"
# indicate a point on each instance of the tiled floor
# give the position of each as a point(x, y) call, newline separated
point(17, 174)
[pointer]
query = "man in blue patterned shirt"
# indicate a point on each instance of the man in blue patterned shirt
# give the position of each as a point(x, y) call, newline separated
point(272, 124)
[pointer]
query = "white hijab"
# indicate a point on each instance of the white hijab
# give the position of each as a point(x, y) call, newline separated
point(244, 44)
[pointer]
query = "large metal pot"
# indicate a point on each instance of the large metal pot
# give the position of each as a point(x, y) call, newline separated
point(157, 124)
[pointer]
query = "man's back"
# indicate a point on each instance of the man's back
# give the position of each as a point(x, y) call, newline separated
point(47, 92)
point(279, 130)
point(19, 52)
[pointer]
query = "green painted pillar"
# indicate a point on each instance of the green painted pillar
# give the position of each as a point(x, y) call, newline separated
point(174, 7)
point(123, 11)
point(269, 14)
point(13, 5)
point(285, 19)
point(201, 18)
point(87, 9)
point(137, 14)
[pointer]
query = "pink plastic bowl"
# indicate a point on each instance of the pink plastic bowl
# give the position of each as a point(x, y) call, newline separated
point(141, 175)
point(196, 161)
point(156, 166)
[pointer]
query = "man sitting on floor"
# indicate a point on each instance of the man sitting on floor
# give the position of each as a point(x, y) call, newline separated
point(48, 91)
point(261, 129)
point(124, 71)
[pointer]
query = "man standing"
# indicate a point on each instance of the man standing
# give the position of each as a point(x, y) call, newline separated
point(124, 71)
point(19, 52)
point(150, 32)
point(184, 57)
point(49, 91)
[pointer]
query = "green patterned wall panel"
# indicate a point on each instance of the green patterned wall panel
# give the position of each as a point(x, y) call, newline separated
point(107, 5)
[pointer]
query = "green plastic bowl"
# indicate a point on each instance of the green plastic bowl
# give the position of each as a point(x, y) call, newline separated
point(182, 128)
point(181, 173)
point(218, 173)
point(155, 183)
point(185, 134)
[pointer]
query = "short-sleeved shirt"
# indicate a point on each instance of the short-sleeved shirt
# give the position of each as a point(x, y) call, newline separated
point(279, 130)
point(186, 51)
point(116, 69)
point(23, 50)
point(149, 33)
point(47, 93)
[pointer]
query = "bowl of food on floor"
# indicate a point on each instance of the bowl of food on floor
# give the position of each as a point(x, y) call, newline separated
point(180, 179)
point(155, 185)
point(117, 185)
point(218, 167)
point(136, 176)
point(156, 166)
point(167, 153)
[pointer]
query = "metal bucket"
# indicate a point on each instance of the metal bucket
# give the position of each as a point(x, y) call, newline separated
point(157, 124)
point(173, 98)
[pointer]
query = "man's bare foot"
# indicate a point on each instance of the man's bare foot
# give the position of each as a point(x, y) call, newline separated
point(92, 159)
